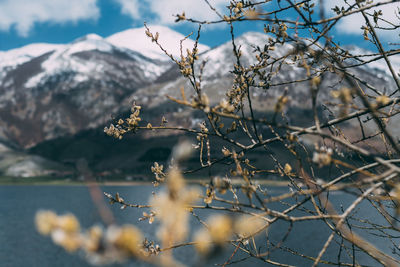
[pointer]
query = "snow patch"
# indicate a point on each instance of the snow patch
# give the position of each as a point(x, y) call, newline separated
point(62, 60)
point(136, 40)
point(18, 56)
point(380, 64)
point(88, 43)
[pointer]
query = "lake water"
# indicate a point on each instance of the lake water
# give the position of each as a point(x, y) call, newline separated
point(21, 245)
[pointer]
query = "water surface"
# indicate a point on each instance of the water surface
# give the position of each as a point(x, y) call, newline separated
point(21, 245)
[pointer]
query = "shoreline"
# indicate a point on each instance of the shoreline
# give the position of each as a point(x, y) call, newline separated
point(127, 183)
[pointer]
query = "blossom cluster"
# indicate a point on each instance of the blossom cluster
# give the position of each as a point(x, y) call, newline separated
point(101, 246)
point(124, 126)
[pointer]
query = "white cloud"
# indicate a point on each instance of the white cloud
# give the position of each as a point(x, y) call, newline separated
point(130, 7)
point(23, 14)
point(196, 9)
point(164, 10)
point(352, 24)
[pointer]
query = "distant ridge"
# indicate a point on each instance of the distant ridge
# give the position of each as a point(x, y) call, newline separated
point(53, 90)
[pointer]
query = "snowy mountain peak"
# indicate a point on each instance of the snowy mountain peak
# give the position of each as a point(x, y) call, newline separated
point(87, 43)
point(63, 60)
point(136, 40)
point(90, 36)
point(23, 54)
point(133, 39)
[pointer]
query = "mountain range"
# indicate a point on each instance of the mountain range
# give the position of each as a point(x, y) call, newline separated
point(55, 95)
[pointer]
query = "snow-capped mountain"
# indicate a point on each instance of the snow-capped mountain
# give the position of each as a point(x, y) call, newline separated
point(71, 59)
point(220, 61)
point(52, 90)
point(60, 90)
point(49, 90)
point(217, 79)
point(136, 40)
point(17, 56)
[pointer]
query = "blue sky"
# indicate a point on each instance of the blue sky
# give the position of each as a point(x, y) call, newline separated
point(60, 21)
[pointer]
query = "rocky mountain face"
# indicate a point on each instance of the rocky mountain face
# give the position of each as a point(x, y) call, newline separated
point(49, 92)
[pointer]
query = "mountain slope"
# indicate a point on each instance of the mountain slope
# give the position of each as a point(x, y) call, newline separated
point(217, 76)
point(23, 54)
point(68, 88)
point(217, 79)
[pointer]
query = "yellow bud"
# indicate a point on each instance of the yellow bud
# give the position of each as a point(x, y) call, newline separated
point(127, 238)
point(70, 242)
point(382, 100)
point(287, 169)
point(45, 221)
point(247, 226)
point(68, 223)
point(202, 241)
point(315, 81)
point(220, 228)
